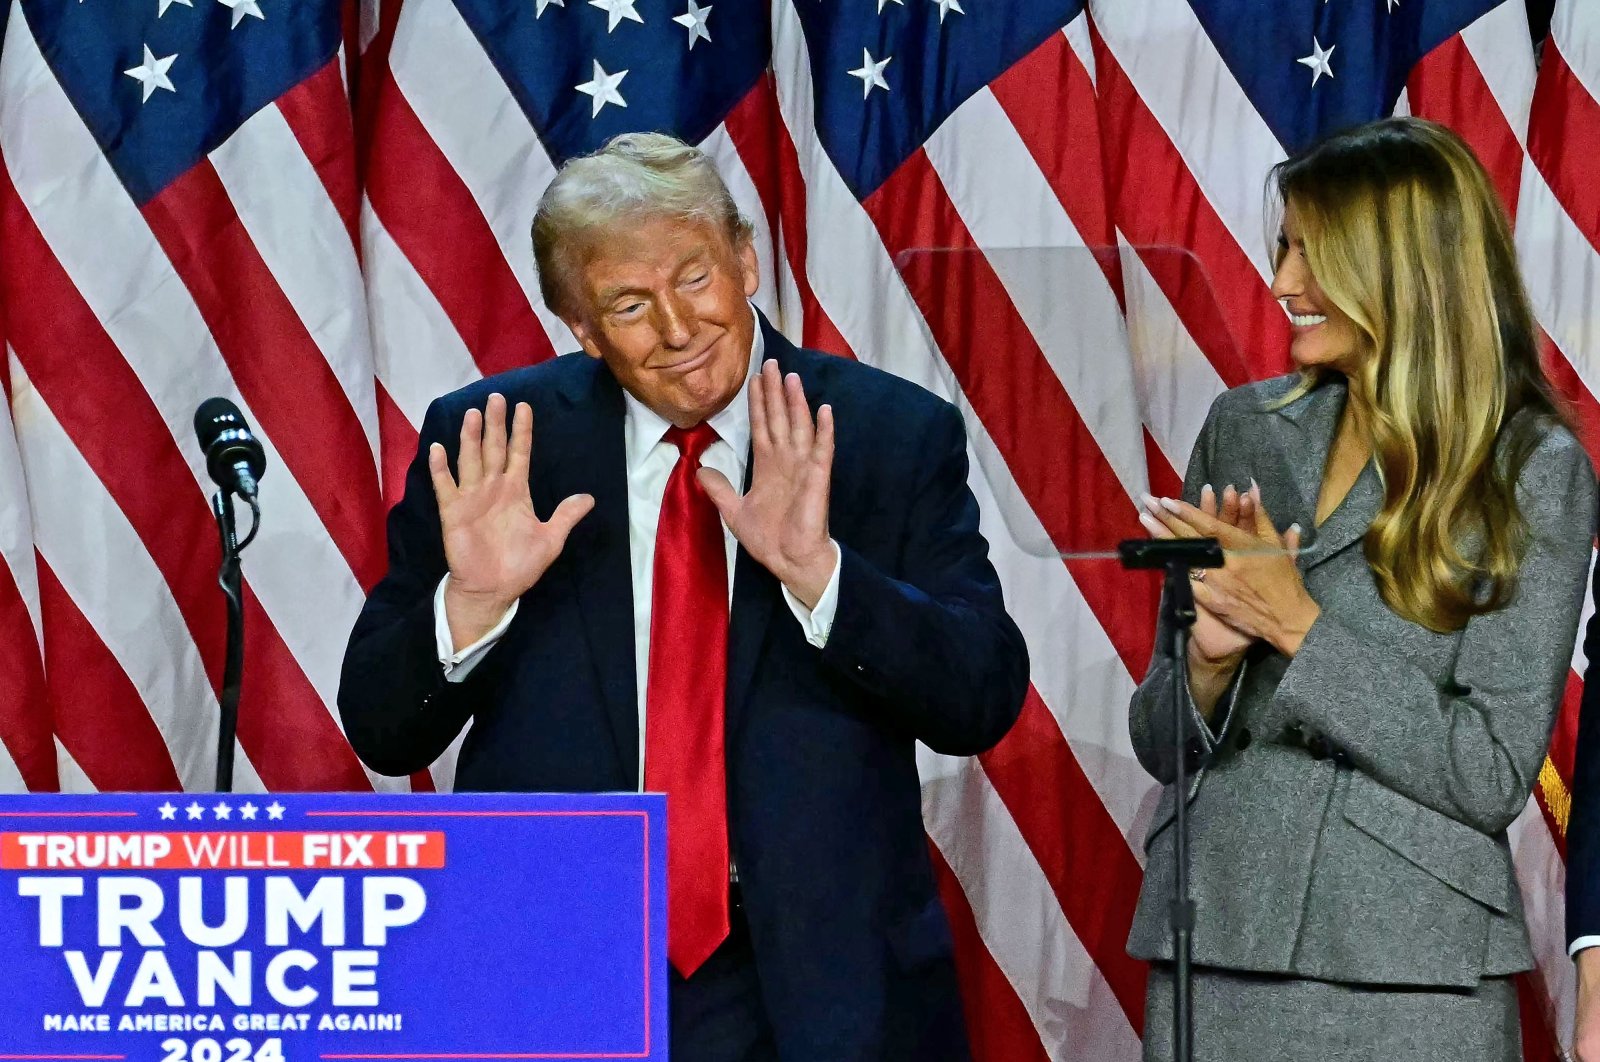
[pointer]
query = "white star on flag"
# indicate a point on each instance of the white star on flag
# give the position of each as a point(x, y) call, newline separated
point(247, 810)
point(618, 10)
point(547, 3)
point(1318, 60)
point(168, 3)
point(871, 73)
point(603, 88)
point(274, 810)
point(195, 810)
point(167, 810)
point(241, 8)
point(694, 20)
point(885, 3)
point(222, 811)
point(947, 6)
point(152, 73)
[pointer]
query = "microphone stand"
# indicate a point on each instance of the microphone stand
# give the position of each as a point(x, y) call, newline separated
point(230, 578)
point(1177, 558)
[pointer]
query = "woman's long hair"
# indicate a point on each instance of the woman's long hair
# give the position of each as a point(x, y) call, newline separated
point(1405, 234)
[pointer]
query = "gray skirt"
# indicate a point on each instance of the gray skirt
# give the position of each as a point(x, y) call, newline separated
point(1246, 1017)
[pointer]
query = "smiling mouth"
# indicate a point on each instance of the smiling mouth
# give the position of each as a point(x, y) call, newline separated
point(689, 364)
point(1307, 320)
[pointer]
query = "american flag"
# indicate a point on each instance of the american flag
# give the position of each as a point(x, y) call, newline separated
point(187, 209)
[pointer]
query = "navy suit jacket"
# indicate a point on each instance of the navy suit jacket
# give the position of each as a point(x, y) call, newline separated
point(851, 943)
point(1583, 828)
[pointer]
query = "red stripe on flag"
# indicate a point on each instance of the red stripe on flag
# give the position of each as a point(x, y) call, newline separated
point(1050, 99)
point(1067, 827)
point(318, 113)
point(1157, 203)
point(1016, 394)
point(284, 726)
point(998, 1027)
point(1164, 479)
point(1583, 406)
point(763, 142)
point(25, 726)
point(275, 362)
point(422, 782)
point(1564, 140)
point(1538, 1040)
point(431, 215)
point(1447, 87)
point(100, 717)
point(399, 444)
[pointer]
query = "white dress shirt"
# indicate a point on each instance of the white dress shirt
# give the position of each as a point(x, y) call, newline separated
point(650, 460)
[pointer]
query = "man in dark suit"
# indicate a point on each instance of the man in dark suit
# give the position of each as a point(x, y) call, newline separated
point(592, 591)
point(1583, 852)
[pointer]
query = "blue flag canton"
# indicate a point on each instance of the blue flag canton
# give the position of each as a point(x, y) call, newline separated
point(160, 83)
point(1312, 67)
point(585, 70)
point(887, 73)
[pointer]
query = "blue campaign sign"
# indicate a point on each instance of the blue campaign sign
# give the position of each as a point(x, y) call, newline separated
point(290, 928)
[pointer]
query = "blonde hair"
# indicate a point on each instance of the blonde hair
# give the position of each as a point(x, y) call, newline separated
point(1405, 234)
point(632, 177)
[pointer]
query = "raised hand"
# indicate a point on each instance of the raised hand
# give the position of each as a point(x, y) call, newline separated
point(1259, 592)
point(494, 543)
point(1217, 643)
point(783, 521)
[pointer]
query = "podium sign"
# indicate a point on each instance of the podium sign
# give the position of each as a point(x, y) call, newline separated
point(290, 928)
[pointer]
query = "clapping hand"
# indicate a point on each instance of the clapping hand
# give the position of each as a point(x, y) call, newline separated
point(783, 521)
point(494, 543)
point(1259, 592)
point(1217, 643)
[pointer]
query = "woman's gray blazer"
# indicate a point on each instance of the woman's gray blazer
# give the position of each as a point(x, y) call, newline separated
point(1350, 808)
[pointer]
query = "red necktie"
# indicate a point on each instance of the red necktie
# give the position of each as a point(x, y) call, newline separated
point(684, 732)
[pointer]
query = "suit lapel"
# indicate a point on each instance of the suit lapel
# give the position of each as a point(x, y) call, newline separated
point(755, 590)
point(1305, 435)
point(581, 454)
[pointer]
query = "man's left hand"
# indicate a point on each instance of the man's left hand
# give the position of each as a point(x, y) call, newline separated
point(783, 521)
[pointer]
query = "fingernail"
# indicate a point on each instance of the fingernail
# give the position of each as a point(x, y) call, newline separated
point(1205, 488)
point(1295, 528)
point(1149, 501)
point(1171, 506)
point(1150, 523)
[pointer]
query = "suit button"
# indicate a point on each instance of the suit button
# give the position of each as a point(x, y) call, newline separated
point(1242, 742)
point(1318, 747)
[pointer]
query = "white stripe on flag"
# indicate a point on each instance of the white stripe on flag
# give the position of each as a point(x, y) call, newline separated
point(285, 209)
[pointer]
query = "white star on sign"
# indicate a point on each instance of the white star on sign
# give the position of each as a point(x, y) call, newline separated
point(1318, 60)
point(167, 810)
point(885, 3)
point(947, 6)
point(168, 3)
point(871, 73)
point(618, 10)
point(241, 8)
point(222, 811)
point(247, 810)
point(274, 810)
point(694, 20)
point(152, 74)
point(195, 810)
point(603, 88)
point(547, 3)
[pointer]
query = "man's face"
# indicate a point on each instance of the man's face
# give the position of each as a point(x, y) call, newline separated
point(663, 303)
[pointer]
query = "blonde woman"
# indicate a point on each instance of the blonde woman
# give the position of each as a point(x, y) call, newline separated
point(1370, 714)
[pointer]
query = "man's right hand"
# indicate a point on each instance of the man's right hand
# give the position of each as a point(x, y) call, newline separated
point(494, 543)
point(1586, 1035)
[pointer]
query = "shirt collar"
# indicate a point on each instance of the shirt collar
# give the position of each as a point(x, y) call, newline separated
point(646, 427)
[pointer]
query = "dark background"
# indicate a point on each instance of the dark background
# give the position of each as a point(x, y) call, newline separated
point(1539, 18)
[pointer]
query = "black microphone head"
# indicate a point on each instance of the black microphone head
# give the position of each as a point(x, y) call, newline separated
point(229, 446)
point(215, 416)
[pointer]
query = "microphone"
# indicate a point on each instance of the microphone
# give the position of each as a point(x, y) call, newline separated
point(234, 456)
